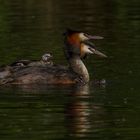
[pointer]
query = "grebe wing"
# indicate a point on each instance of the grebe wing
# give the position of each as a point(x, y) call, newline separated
point(44, 75)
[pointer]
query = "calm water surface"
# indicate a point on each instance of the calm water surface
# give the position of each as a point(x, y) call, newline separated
point(110, 111)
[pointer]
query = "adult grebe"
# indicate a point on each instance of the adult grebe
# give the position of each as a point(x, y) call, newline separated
point(76, 48)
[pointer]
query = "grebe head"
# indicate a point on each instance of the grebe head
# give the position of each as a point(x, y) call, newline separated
point(74, 36)
point(89, 48)
point(73, 40)
point(47, 57)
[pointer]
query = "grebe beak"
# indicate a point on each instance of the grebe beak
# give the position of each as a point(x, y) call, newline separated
point(93, 37)
point(98, 52)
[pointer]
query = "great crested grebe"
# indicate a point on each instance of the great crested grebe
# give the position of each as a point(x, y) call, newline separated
point(76, 48)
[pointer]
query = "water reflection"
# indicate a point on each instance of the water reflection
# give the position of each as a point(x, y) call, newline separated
point(54, 111)
point(82, 113)
point(78, 112)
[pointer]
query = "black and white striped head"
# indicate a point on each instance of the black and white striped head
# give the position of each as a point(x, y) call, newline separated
point(47, 56)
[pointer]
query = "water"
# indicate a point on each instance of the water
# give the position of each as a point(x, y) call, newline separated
point(107, 111)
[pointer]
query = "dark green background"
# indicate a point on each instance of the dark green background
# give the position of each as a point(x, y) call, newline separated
point(29, 28)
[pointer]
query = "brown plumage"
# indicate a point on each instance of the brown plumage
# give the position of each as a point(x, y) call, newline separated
point(75, 48)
